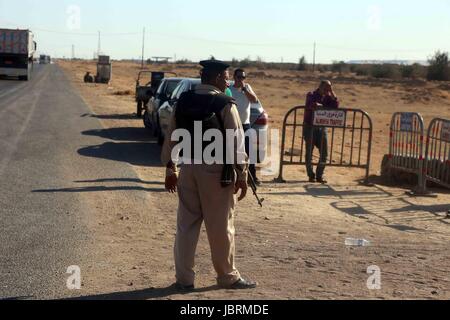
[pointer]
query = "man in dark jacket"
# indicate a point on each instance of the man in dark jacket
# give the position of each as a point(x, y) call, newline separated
point(323, 97)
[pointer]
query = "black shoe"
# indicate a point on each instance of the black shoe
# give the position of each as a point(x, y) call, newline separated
point(244, 285)
point(322, 180)
point(182, 288)
point(312, 180)
point(258, 182)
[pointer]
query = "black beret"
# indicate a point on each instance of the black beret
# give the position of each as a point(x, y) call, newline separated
point(214, 65)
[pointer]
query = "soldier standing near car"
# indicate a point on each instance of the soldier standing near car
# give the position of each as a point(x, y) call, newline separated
point(202, 196)
point(323, 97)
point(244, 95)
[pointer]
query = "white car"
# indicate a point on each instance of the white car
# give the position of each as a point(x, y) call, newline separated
point(259, 117)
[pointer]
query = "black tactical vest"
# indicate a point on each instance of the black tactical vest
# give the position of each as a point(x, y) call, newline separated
point(204, 108)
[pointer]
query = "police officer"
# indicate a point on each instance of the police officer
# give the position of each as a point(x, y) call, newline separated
point(202, 196)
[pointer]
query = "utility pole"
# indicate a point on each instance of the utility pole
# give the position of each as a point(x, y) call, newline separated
point(314, 58)
point(99, 45)
point(143, 48)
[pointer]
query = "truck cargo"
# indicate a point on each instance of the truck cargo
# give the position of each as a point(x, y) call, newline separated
point(17, 48)
point(104, 70)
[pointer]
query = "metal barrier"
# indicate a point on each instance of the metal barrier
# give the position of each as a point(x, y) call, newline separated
point(437, 155)
point(349, 145)
point(406, 145)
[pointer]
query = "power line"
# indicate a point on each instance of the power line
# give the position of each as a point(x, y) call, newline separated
point(372, 50)
point(232, 43)
point(314, 57)
point(87, 33)
point(99, 47)
point(143, 48)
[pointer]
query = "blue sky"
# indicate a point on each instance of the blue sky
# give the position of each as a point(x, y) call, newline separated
point(272, 30)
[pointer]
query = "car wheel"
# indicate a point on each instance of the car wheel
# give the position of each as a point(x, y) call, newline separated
point(139, 109)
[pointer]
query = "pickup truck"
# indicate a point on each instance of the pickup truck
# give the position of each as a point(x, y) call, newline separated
point(146, 90)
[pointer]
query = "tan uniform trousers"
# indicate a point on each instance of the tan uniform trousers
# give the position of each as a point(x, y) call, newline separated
point(202, 198)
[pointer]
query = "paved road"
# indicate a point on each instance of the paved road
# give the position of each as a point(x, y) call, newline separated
point(44, 148)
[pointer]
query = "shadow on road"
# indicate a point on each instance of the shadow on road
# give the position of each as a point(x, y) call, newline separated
point(373, 204)
point(146, 294)
point(394, 212)
point(327, 191)
point(435, 209)
point(18, 298)
point(130, 180)
point(99, 189)
point(135, 153)
point(112, 116)
point(108, 188)
point(121, 134)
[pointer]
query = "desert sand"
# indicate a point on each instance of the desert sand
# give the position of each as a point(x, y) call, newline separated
point(294, 246)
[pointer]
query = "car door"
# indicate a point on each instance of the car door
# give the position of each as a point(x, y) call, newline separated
point(155, 102)
point(166, 109)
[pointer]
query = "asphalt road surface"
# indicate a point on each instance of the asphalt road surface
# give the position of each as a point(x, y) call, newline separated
point(44, 151)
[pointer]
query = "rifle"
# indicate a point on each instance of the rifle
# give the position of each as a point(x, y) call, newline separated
point(255, 189)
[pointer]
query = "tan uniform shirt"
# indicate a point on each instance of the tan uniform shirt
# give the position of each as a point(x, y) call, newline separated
point(231, 119)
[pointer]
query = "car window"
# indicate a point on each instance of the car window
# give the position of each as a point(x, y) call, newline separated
point(171, 86)
point(175, 92)
point(182, 89)
point(160, 89)
point(192, 85)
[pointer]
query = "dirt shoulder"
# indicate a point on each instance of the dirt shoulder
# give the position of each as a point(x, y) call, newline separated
point(294, 246)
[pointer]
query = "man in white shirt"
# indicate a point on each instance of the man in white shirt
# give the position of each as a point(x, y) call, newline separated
point(244, 96)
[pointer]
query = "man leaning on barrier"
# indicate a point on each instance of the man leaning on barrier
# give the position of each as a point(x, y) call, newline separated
point(323, 97)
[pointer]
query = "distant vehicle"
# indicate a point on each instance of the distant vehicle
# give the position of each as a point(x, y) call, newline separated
point(146, 90)
point(17, 48)
point(43, 59)
point(163, 94)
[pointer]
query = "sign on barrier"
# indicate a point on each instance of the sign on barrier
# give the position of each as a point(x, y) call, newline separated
point(445, 135)
point(406, 145)
point(406, 122)
point(330, 118)
point(348, 139)
point(437, 156)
